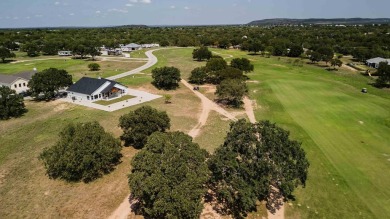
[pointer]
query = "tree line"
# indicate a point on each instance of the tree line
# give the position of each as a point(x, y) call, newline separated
point(362, 42)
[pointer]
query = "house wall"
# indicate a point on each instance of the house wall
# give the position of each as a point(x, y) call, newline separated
point(20, 85)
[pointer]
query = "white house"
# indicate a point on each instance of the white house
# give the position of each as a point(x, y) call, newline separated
point(374, 63)
point(130, 47)
point(93, 89)
point(64, 53)
point(17, 82)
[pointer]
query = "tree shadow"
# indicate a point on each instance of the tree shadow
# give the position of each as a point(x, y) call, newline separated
point(275, 200)
point(7, 61)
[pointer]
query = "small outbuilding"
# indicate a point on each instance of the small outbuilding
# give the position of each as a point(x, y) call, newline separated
point(374, 63)
point(93, 89)
point(64, 53)
point(130, 47)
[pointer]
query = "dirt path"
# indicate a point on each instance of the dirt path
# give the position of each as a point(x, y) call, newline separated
point(248, 104)
point(207, 106)
point(350, 68)
point(229, 56)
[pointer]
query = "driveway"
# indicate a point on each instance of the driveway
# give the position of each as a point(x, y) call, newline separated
point(152, 60)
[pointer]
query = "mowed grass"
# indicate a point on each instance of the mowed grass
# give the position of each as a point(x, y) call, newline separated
point(344, 132)
point(77, 68)
point(180, 58)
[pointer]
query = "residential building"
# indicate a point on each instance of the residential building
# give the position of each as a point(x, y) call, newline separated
point(93, 89)
point(17, 82)
point(64, 53)
point(130, 47)
point(374, 63)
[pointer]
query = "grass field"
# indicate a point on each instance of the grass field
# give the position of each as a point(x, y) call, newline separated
point(179, 58)
point(77, 68)
point(344, 132)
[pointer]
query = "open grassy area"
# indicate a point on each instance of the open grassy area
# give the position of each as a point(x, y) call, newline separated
point(344, 132)
point(25, 190)
point(77, 68)
point(180, 58)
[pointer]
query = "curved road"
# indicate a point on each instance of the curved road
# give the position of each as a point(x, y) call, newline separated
point(152, 60)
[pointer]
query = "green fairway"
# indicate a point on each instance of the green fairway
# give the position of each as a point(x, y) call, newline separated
point(344, 132)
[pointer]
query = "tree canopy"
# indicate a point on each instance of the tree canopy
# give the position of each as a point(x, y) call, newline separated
point(48, 82)
point(84, 152)
point(231, 91)
point(139, 124)
point(255, 162)
point(166, 78)
point(94, 67)
point(168, 176)
point(198, 75)
point(295, 51)
point(216, 64)
point(201, 53)
point(217, 77)
point(383, 73)
point(242, 63)
point(11, 103)
point(5, 53)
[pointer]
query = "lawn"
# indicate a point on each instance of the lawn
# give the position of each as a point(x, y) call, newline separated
point(77, 68)
point(180, 58)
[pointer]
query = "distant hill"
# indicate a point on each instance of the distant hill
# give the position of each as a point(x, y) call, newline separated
point(320, 21)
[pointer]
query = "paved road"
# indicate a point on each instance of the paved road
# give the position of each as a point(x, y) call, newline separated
point(152, 60)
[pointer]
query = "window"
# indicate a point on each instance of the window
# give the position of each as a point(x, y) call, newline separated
point(96, 96)
point(20, 85)
point(16, 85)
point(24, 84)
point(87, 97)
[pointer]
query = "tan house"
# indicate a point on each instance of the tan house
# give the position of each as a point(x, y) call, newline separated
point(17, 82)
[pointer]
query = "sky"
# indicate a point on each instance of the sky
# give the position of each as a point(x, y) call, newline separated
point(58, 13)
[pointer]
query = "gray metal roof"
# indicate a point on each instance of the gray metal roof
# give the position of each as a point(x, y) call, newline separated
point(378, 60)
point(8, 79)
point(89, 85)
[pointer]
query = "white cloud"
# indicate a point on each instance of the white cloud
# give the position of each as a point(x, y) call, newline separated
point(118, 10)
point(129, 5)
point(146, 1)
point(187, 8)
point(133, 1)
point(71, 14)
point(28, 17)
point(38, 15)
point(173, 7)
point(98, 12)
point(16, 18)
point(57, 3)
